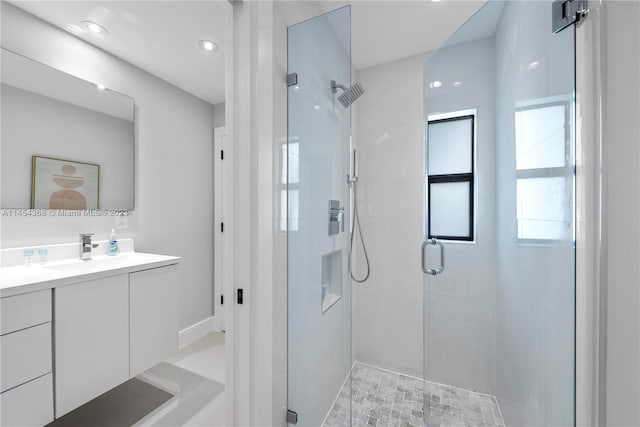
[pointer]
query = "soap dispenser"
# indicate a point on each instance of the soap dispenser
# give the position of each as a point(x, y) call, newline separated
point(113, 249)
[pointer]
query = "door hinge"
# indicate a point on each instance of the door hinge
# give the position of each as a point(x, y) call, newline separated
point(567, 12)
point(240, 296)
point(292, 417)
point(292, 79)
point(222, 227)
point(221, 154)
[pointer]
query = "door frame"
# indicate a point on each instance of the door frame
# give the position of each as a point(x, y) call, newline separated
point(222, 201)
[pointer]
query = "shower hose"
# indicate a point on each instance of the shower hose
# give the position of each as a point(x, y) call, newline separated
point(356, 223)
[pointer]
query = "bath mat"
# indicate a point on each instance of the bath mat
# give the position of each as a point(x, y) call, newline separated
point(122, 406)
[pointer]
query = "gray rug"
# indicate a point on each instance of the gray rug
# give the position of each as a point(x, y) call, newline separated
point(122, 406)
point(138, 401)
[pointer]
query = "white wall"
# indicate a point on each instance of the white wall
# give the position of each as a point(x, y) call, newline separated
point(33, 124)
point(174, 162)
point(622, 154)
point(219, 115)
point(387, 318)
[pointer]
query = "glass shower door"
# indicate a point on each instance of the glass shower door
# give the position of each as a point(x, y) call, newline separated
point(499, 319)
point(317, 195)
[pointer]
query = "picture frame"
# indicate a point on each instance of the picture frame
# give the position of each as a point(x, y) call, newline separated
point(64, 184)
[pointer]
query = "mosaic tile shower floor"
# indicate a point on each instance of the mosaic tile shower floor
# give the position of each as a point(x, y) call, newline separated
point(383, 398)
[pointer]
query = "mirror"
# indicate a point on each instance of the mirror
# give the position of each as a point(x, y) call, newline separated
point(65, 143)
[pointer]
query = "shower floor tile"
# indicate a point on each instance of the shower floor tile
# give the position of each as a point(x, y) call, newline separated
point(383, 398)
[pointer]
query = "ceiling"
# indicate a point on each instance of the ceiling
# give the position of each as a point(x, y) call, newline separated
point(160, 37)
point(383, 31)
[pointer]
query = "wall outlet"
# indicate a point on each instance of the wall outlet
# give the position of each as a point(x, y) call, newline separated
point(122, 222)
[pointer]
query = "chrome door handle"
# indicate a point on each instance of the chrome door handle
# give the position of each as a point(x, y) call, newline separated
point(432, 271)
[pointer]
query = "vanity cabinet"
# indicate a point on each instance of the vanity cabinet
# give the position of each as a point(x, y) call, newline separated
point(110, 330)
point(72, 330)
point(26, 359)
point(92, 340)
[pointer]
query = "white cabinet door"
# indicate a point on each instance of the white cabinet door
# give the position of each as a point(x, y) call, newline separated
point(91, 340)
point(154, 303)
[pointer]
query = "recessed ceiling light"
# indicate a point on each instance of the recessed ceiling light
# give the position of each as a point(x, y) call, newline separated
point(457, 84)
point(75, 29)
point(209, 46)
point(435, 84)
point(316, 107)
point(101, 87)
point(533, 65)
point(435, 1)
point(94, 28)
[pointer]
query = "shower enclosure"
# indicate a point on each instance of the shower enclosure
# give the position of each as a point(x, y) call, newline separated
point(497, 221)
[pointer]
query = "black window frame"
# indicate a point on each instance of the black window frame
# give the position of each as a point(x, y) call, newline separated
point(458, 177)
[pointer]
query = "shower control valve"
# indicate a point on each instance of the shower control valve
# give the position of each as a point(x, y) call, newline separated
point(336, 217)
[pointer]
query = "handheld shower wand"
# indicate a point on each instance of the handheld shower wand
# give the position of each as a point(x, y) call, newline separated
point(356, 221)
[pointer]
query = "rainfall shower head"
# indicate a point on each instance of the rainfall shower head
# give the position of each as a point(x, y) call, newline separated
point(350, 93)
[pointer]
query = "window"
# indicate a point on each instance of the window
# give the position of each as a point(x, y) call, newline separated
point(289, 180)
point(544, 172)
point(450, 177)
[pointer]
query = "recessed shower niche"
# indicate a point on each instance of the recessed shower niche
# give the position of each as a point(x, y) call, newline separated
point(331, 279)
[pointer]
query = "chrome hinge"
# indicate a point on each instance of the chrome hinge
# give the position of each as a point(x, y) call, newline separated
point(292, 79)
point(292, 417)
point(567, 12)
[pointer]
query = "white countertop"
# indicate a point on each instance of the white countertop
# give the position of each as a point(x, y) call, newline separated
point(22, 279)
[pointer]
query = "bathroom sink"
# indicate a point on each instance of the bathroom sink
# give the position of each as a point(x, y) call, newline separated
point(99, 263)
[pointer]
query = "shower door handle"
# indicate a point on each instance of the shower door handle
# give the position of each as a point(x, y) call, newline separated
point(432, 271)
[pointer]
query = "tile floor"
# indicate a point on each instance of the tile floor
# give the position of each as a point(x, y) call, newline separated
point(186, 390)
point(383, 398)
point(199, 403)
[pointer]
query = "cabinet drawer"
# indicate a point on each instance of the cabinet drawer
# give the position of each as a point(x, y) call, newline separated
point(22, 311)
point(26, 354)
point(31, 404)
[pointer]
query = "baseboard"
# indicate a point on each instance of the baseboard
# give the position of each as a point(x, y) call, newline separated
point(196, 331)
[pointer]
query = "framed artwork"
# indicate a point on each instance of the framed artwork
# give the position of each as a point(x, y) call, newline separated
point(64, 184)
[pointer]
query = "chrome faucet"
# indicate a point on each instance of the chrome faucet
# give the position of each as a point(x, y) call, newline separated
point(86, 246)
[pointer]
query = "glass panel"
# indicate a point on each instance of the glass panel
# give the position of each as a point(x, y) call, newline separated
point(540, 137)
point(450, 209)
point(544, 211)
point(500, 319)
point(450, 147)
point(318, 270)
